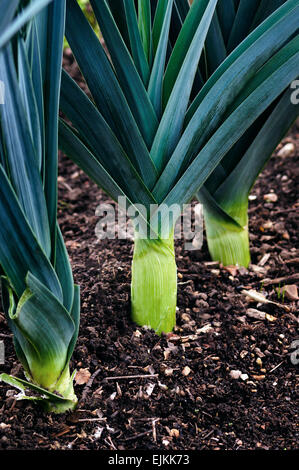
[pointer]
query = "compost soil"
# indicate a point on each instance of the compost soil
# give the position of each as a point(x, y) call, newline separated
point(223, 380)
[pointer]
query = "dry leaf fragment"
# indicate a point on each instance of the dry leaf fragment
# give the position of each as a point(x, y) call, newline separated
point(231, 269)
point(82, 376)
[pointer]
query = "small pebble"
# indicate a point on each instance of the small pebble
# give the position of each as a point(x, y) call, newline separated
point(168, 372)
point(186, 371)
point(174, 433)
point(235, 374)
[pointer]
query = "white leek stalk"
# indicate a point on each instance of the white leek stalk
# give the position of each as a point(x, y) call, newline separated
point(154, 284)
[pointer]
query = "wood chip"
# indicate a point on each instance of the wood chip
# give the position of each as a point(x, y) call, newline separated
point(256, 314)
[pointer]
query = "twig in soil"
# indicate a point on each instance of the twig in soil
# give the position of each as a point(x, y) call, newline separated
point(110, 442)
point(292, 261)
point(132, 438)
point(83, 420)
point(276, 367)
point(129, 377)
point(278, 280)
point(154, 421)
point(253, 209)
point(284, 211)
point(89, 384)
point(208, 434)
point(2, 335)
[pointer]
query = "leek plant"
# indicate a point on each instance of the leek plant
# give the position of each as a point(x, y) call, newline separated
point(158, 126)
point(225, 194)
point(39, 298)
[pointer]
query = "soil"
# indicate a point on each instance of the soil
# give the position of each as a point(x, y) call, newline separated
point(181, 391)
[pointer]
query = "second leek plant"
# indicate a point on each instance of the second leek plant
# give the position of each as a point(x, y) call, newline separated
point(40, 300)
point(155, 130)
point(225, 193)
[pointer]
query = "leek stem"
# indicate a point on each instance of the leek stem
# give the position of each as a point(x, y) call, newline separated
point(65, 388)
point(154, 284)
point(228, 243)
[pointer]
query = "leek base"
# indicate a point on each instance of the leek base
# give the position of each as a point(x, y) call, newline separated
point(228, 244)
point(154, 284)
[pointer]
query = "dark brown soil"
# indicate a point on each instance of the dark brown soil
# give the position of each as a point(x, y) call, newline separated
point(206, 408)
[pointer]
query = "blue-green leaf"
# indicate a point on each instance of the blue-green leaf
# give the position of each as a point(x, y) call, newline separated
point(169, 130)
point(19, 249)
point(130, 81)
point(21, 158)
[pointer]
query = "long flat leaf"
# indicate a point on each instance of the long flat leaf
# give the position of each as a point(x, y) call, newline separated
point(106, 91)
point(64, 271)
point(98, 135)
point(230, 131)
point(237, 185)
point(155, 86)
point(130, 81)
point(21, 158)
point(75, 316)
point(29, 101)
point(278, 20)
point(158, 23)
point(55, 35)
point(145, 27)
point(169, 130)
point(34, 58)
point(34, 7)
point(242, 23)
point(19, 249)
point(138, 54)
point(223, 92)
point(182, 44)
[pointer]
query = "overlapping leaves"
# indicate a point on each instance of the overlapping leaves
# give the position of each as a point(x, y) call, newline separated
point(142, 91)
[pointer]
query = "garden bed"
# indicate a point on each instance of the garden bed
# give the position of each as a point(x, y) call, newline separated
point(222, 380)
